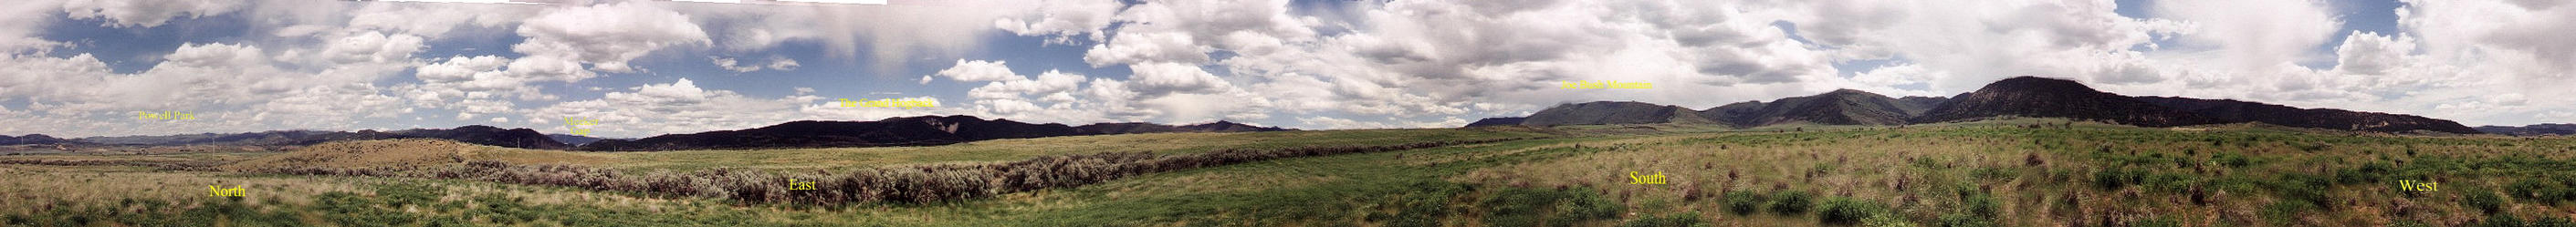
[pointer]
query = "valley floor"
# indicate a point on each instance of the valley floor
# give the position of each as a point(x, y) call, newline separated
point(2030, 172)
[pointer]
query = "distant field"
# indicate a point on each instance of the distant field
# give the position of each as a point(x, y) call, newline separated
point(2022, 172)
point(1017, 149)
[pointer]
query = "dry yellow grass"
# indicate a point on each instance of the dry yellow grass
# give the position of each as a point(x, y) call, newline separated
point(1857, 170)
point(1879, 164)
point(32, 187)
point(1019, 149)
point(398, 153)
point(28, 188)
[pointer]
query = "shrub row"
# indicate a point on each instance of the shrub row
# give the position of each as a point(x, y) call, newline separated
point(903, 184)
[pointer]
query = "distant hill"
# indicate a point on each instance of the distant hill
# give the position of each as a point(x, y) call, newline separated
point(1228, 126)
point(488, 135)
point(2025, 96)
point(2029, 96)
point(1916, 105)
point(575, 140)
point(1603, 113)
point(32, 139)
point(2531, 130)
point(1496, 121)
point(898, 131)
point(1840, 107)
point(1122, 128)
point(1734, 112)
point(2241, 111)
point(249, 138)
point(1141, 127)
point(476, 134)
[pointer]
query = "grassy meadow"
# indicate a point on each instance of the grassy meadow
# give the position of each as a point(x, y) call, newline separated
point(2018, 172)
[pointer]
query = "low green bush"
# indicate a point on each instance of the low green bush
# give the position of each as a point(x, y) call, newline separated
point(2534, 189)
point(2170, 182)
point(1792, 202)
point(2483, 200)
point(1996, 174)
point(1964, 220)
point(1672, 220)
point(397, 195)
point(1886, 220)
point(2304, 188)
point(2114, 179)
point(1846, 210)
point(1425, 206)
point(2155, 222)
point(1518, 206)
point(1981, 206)
point(2501, 220)
point(1532, 207)
point(1584, 205)
point(2552, 221)
point(2282, 213)
point(1743, 202)
point(2231, 160)
point(2408, 223)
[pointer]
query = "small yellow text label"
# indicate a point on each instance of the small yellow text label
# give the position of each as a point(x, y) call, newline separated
point(2414, 185)
point(1657, 178)
point(577, 125)
point(1604, 85)
point(164, 115)
point(906, 103)
point(793, 184)
point(214, 191)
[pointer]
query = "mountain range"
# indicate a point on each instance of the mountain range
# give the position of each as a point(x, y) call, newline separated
point(1141, 127)
point(2047, 97)
point(575, 140)
point(476, 134)
point(2243, 111)
point(30, 139)
point(2026, 96)
point(1840, 107)
point(1611, 113)
point(2531, 130)
point(897, 131)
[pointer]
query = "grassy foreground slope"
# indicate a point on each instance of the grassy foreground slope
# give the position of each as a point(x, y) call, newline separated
point(2072, 174)
point(2009, 173)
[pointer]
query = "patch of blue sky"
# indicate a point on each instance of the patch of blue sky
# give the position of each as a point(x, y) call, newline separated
point(2374, 16)
point(135, 49)
point(1331, 11)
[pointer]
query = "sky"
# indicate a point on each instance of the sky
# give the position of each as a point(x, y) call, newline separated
point(77, 68)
